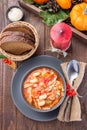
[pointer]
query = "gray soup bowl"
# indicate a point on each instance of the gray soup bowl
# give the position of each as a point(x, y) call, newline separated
point(61, 100)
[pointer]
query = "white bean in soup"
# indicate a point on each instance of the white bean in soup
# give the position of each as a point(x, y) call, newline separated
point(43, 88)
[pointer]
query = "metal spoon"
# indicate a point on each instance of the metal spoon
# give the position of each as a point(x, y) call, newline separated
point(72, 70)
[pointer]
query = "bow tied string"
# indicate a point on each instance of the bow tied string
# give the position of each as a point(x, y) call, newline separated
point(70, 91)
point(59, 51)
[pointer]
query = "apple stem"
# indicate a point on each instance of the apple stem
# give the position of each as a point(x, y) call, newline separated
point(60, 31)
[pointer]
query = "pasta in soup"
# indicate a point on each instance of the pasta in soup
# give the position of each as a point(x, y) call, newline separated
point(43, 88)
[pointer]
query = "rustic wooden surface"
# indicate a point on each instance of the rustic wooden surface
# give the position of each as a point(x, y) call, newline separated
point(10, 117)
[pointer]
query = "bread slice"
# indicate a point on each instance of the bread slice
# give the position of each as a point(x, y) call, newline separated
point(19, 27)
point(16, 38)
point(16, 33)
point(16, 47)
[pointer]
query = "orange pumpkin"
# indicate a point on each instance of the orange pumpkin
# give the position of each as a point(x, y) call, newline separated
point(64, 4)
point(40, 1)
point(85, 1)
point(78, 16)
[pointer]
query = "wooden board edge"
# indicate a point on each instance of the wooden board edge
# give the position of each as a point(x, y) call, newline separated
point(78, 33)
point(36, 11)
point(29, 7)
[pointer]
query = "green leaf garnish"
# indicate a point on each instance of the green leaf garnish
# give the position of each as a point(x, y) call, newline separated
point(2, 56)
point(29, 1)
point(51, 19)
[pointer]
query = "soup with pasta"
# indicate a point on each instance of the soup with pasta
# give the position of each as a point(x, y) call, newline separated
point(43, 88)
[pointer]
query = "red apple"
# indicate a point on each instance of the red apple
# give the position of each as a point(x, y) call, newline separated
point(61, 34)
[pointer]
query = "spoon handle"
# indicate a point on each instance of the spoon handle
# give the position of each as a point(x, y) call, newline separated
point(73, 77)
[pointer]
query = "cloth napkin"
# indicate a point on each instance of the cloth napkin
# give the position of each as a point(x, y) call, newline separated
point(70, 110)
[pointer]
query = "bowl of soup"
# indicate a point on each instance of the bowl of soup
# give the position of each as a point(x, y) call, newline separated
point(43, 89)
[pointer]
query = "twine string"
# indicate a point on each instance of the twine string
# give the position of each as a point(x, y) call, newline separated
point(70, 91)
point(59, 51)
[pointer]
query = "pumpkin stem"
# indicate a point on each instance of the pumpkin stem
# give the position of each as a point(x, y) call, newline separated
point(85, 11)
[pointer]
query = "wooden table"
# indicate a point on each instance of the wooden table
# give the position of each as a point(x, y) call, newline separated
point(10, 117)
